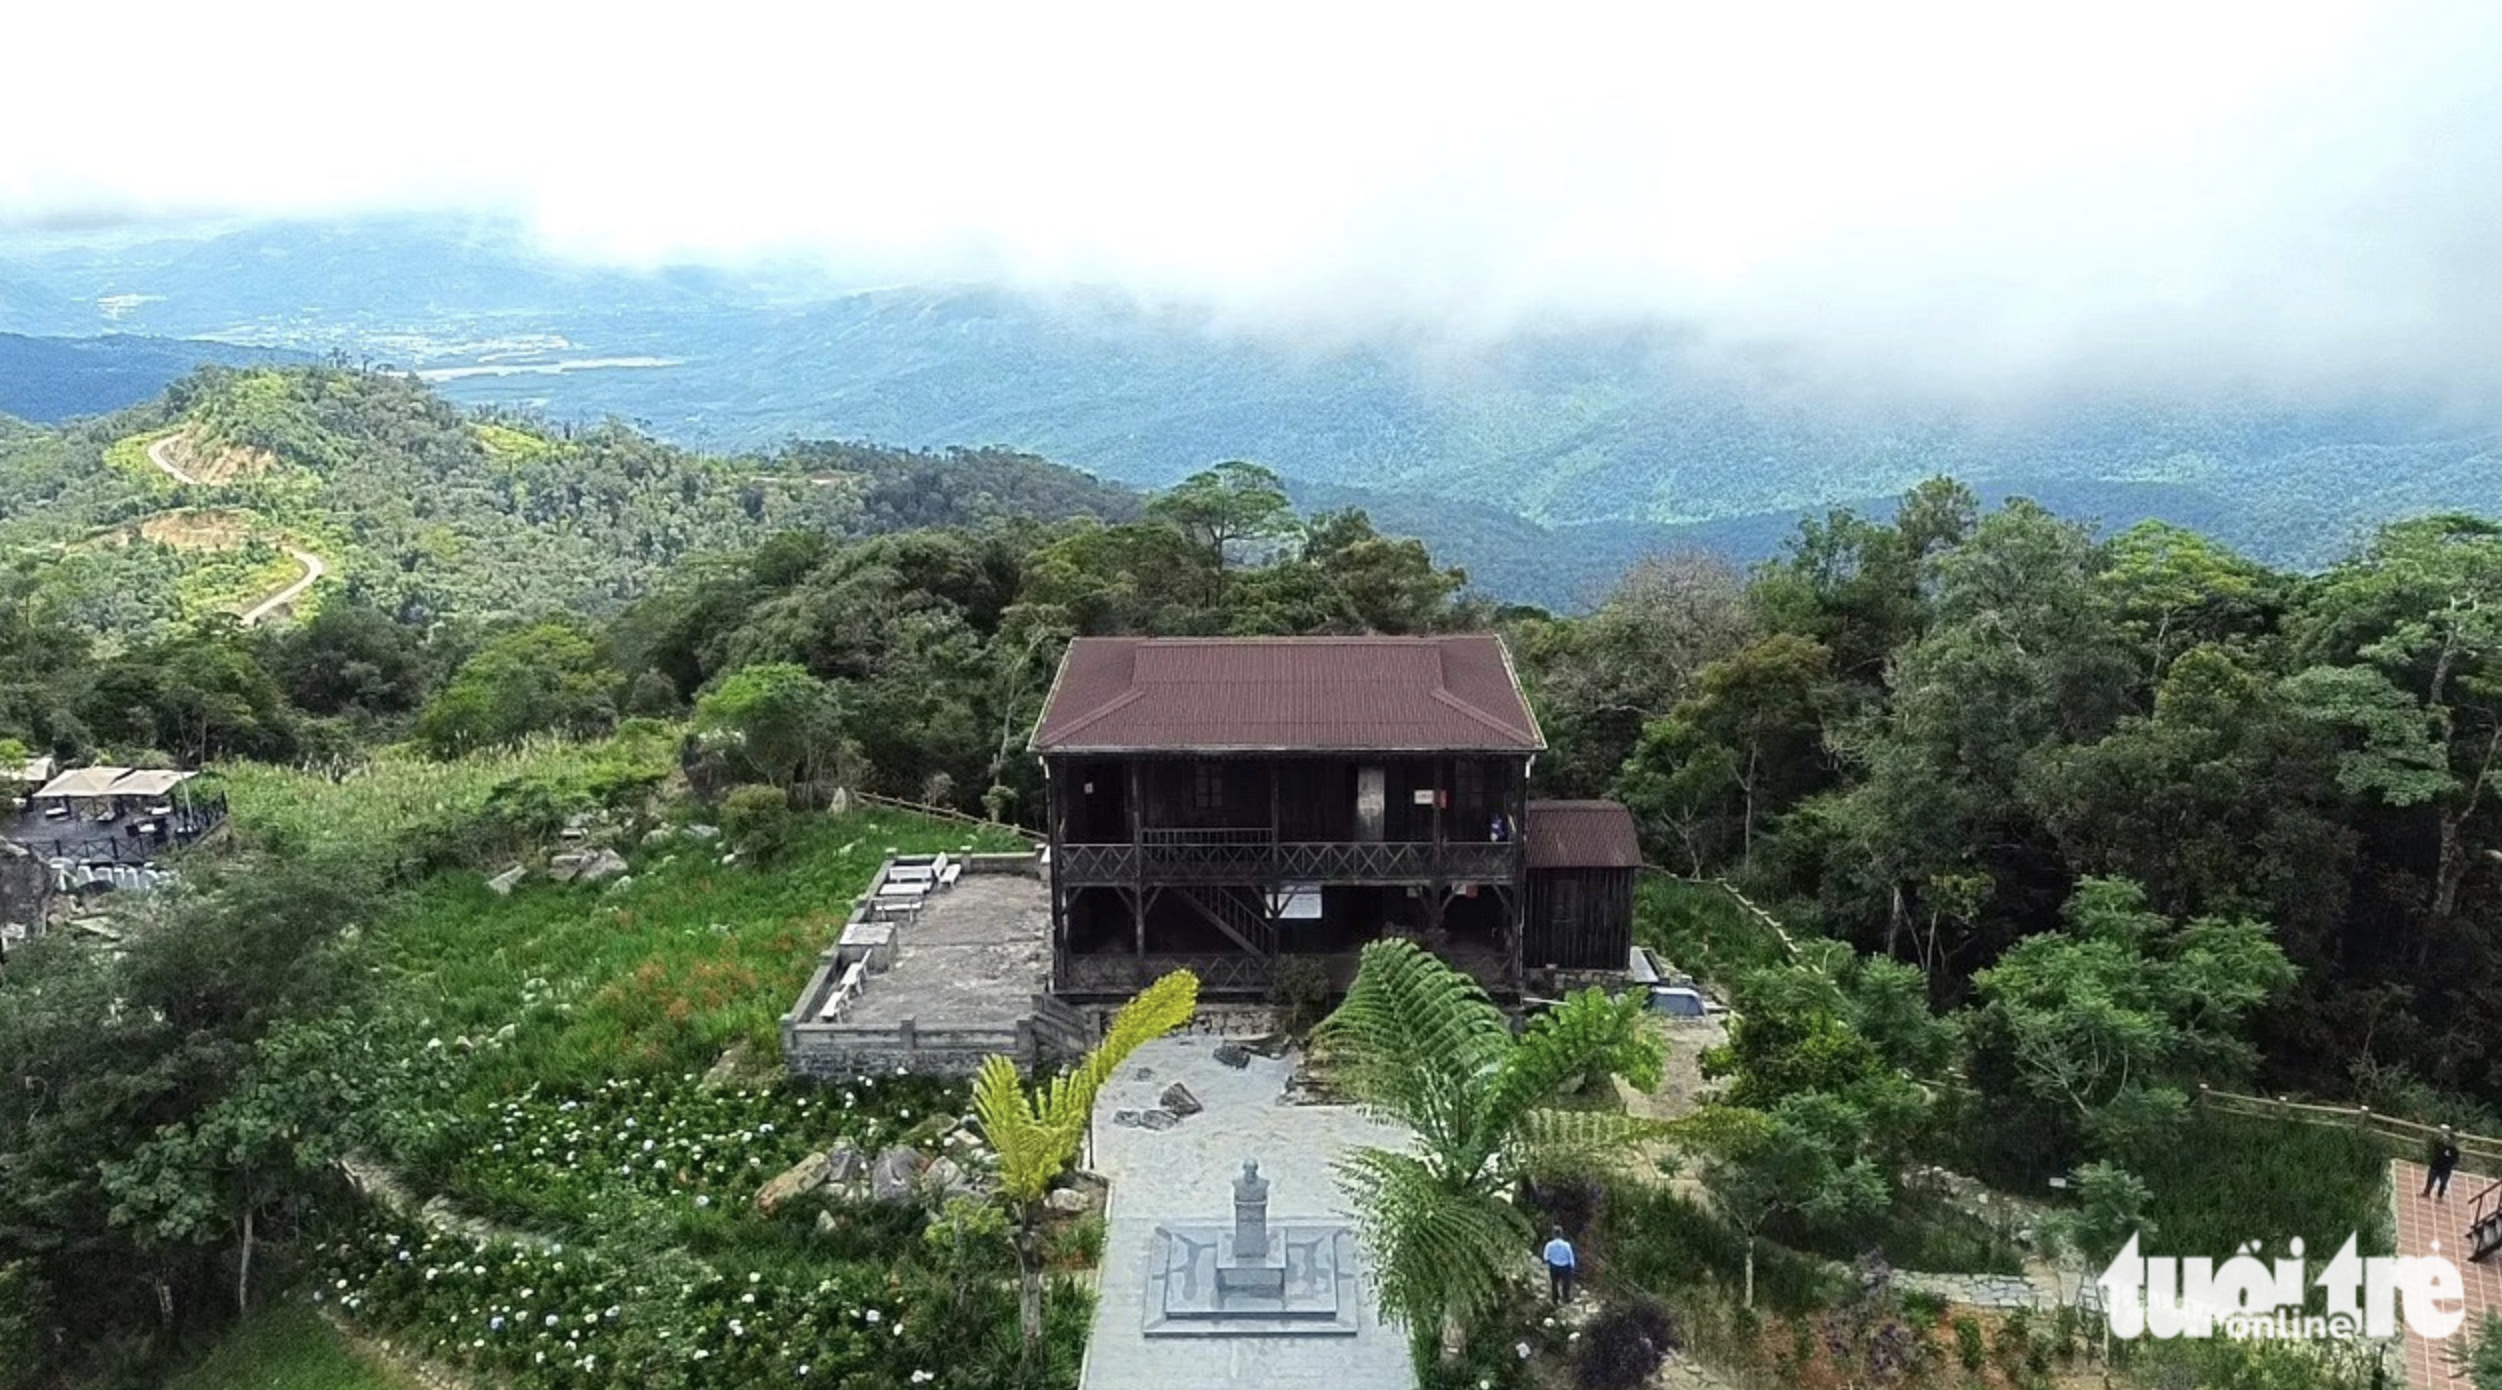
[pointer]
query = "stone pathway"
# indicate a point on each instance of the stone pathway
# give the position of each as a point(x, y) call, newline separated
point(376, 1182)
point(1185, 1174)
point(2002, 1291)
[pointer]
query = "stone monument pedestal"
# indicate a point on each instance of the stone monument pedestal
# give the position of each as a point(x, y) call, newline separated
point(1252, 1279)
point(1263, 1277)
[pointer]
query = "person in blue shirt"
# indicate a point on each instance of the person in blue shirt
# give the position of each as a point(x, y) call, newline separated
point(1560, 1264)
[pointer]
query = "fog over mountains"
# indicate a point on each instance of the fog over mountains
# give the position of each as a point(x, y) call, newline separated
point(1543, 457)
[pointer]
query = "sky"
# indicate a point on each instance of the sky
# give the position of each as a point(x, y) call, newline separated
point(2284, 196)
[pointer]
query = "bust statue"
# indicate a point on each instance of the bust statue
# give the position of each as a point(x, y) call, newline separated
point(1250, 1214)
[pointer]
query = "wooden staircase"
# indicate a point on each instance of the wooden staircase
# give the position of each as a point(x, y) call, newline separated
point(2484, 1227)
point(1234, 914)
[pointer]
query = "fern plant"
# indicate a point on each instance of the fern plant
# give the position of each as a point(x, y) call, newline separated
point(1036, 1133)
point(1419, 1044)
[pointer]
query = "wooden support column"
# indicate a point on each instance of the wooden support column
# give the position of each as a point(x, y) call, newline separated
point(1137, 858)
point(1441, 790)
point(1055, 790)
point(1515, 917)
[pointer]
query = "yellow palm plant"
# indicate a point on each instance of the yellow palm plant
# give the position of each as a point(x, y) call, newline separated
point(1036, 1133)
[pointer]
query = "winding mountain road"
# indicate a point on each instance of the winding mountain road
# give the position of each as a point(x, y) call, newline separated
point(156, 455)
point(314, 569)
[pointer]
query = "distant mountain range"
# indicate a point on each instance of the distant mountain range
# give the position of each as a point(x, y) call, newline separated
point(49, 380)
point(1542, 463)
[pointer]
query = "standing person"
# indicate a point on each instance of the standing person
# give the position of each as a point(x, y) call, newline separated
point(2445, 1161)
point(1560, 1263)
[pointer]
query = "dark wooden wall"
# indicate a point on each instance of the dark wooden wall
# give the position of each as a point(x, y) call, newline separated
point(1313, 800)
point(1579, 919)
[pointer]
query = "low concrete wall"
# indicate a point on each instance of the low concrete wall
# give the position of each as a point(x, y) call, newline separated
point(1029, 865)
point(832, 1051)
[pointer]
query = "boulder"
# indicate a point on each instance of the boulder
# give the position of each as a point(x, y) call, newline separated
point(659, 835)
point(1158, 1119)
point(1178, 1099)
point(1068, 1201)
point(703, 832)
point(504, 883)
point(844, 1163)
point(803, 1177)
point(1233, 1055)
point(727, 1068)
point(894, 1175)
point(600, 865)
point(945, 1178)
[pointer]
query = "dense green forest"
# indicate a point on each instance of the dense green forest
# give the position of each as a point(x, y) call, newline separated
point(2069, 825)
point(1916, 735)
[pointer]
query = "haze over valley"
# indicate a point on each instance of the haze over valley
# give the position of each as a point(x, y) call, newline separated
point(1543, 460)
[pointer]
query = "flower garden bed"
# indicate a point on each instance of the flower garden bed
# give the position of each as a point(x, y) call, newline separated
point(555, 1043)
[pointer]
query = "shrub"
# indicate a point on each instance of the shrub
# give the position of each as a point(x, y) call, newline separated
point(1076, 1245)
point(1971, 1344)
point(1300, 993)
point(1624, 1345)
point(759, 822)
point(1562, 1202)
point(1661, 1242)
point(23, 1315)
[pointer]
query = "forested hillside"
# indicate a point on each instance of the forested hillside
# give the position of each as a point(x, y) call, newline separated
point(2064, 827)
point(427, 513)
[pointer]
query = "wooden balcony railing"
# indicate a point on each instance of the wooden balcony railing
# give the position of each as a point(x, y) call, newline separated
point(1218, 857)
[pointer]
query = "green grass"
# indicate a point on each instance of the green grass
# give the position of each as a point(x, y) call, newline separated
point(129, 455)
point(287, 1348)
point(1701, 929)
point(1919, 1233)
point(657, 978)
point(400, 794)
point(1662, 1243)
point(2225, 1179)
point(232, 581)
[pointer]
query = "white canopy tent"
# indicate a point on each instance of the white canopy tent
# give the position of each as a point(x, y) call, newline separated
point(82, 783)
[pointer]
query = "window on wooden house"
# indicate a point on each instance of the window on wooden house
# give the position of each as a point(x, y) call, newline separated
point(1207, 787)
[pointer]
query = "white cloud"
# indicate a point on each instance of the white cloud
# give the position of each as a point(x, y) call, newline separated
point(2288, 195)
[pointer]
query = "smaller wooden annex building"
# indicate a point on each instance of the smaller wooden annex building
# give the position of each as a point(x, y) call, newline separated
point(1582, 858)
point(1226, 805)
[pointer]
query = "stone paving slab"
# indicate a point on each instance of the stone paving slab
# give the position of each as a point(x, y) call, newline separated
point(974, 957)
point(1183, 1176)
point(2438, 1226)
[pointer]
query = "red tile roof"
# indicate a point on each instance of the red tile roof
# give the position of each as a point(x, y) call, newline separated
point(1581, 835)
point(1262, 694)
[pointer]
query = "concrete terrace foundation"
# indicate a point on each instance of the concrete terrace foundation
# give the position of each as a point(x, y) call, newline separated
point(937, 988)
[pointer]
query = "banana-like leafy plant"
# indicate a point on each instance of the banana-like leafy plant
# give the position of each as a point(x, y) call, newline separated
point(1419, 1044)
point(1036, 1133)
